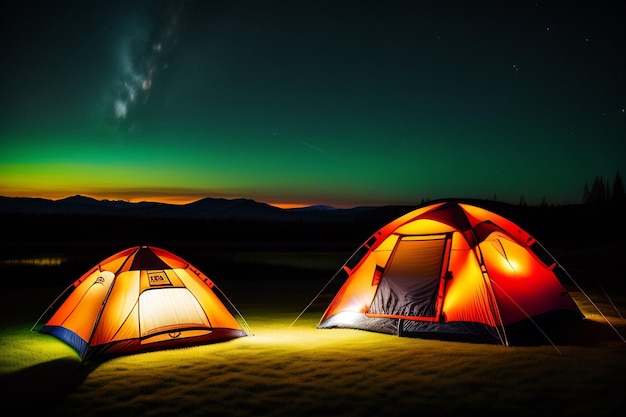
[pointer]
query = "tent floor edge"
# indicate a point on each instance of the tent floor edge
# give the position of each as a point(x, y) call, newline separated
point(134, 346)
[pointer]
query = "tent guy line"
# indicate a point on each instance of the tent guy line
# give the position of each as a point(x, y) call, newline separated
point(456, 272)
point(141, 299)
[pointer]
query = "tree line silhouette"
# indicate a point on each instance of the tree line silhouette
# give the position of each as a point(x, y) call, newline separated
point(601, 192)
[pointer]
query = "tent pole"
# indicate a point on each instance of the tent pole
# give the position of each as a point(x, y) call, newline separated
point(493, 304)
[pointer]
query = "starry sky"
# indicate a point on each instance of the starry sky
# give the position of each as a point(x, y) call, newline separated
point(342, 103)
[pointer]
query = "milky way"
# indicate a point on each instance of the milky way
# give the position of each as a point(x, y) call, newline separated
point(337, 103)
point(143, 55)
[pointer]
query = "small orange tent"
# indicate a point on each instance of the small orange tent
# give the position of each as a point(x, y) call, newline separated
point(141, 299)
point(450, 271)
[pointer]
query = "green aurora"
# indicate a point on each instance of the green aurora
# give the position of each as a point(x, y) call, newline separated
point(314, 102)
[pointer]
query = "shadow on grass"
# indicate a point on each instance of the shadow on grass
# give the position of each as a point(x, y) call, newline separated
point(583, 333)
point(42, 387)
point(588, 333)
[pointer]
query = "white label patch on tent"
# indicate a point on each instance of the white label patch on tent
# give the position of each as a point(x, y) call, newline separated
point(158, 278)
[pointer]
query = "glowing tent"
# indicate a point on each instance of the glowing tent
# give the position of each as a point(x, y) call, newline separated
point(141, 299)
point(450, 271)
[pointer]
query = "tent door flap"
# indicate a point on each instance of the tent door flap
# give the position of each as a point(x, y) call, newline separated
point(413, 282)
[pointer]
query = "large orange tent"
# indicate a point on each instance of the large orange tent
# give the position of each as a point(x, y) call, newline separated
point(141, 299)
point(450, 271)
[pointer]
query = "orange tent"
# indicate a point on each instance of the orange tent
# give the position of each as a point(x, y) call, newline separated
point(141, 299)
point(450, 271)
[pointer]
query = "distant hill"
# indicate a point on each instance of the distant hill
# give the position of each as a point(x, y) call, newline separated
point(204, 209)
point(559, 222)
point(82, 223)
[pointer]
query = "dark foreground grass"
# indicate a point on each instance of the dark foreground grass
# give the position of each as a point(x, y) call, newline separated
point(293, 369)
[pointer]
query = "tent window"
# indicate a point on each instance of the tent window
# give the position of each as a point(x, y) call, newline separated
point(542, 254)
point(411, 283)
point(356, 258)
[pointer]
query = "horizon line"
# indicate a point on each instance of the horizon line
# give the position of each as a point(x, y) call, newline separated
point(173, 200)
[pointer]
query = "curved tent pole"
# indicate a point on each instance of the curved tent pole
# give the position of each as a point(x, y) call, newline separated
point(364, 244)
point(106, 298)
point(487, 280)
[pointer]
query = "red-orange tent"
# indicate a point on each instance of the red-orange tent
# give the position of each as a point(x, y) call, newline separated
point(450, 271)
point(141, 299)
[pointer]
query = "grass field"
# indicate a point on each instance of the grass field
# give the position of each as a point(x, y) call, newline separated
point(293, 369)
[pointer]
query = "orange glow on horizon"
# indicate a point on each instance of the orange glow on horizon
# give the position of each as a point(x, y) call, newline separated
point(155, 198)
point(58, 195)
point(289, 205)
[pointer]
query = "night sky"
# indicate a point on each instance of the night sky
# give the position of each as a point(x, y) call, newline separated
point(342, 103)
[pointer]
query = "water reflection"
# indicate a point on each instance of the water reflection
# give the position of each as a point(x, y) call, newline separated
point(40, 261)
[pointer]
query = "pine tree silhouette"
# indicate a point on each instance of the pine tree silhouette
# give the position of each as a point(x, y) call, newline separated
point(603, 193)
point(617, 196)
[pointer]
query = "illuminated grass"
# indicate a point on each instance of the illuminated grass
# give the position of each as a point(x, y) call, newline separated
point(300, 370)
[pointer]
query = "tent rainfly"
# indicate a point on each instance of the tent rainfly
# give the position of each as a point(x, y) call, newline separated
point(451, 271)
point(141, 299)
